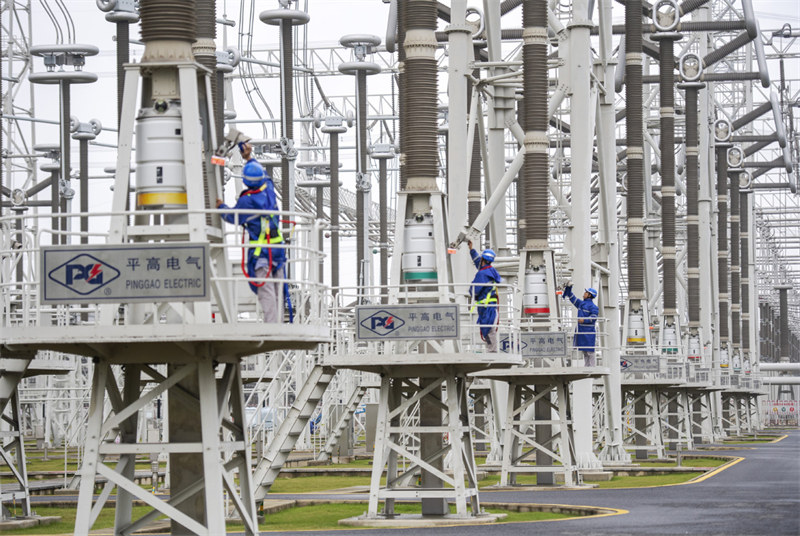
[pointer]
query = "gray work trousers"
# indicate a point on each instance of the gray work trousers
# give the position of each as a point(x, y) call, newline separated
point(270, 297)
point(589, 359)
point(491, 340)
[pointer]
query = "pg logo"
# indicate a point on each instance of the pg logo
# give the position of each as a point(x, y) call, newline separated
point(83, 274)
point(382, 323)
point(92, 273)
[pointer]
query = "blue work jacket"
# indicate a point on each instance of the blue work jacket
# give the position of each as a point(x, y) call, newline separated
point(584, 339)
point(484, 293)
point(258, 226)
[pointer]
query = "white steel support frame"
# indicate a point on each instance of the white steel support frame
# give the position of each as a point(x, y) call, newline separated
point(521, 438)
point(643, 417)
point(392, 439)
point(613, 450)
point(12, 448)
point(700, 404)
point(225, 449)
point(678, 423)
point(459, 52)
point(582, 105)
point(483, 418)
point(709, 289)
point(210, 403)
point(501, 110)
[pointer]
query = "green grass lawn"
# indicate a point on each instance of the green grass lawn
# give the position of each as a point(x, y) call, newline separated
point(686, 462)
point(67, 523)
point(647, 480)
point(748, 441)
point(615, 482)
point(318, 483)
point(327, 516)
point(317, 517)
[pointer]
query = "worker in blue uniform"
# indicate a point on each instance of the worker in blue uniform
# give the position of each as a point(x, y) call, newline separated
point(484, 295)
point(585, 335)
point(264, 261)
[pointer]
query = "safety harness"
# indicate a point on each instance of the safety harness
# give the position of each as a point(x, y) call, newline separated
point(265, 237)
point(491, 296)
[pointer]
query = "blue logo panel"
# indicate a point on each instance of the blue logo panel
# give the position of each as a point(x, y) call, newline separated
point(84, 274)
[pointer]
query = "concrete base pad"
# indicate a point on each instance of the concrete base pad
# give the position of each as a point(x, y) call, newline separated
point(28, 522)
point(418, 520)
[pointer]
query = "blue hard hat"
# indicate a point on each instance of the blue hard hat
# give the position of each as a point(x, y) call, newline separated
point(253, 174)
point(591, 291)
point(488, 255)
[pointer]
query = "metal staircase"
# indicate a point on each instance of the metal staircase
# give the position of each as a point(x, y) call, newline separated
point(290, 429)
point(343, 422)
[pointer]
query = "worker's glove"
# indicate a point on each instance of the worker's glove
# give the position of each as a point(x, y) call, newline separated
point(567, 292)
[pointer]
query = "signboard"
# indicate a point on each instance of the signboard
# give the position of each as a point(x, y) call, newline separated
point(538, 344)
point(161, 272)
point(782, 412)
point(407, 322)
point(640, 363)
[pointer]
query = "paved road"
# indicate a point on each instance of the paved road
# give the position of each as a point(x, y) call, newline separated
point(758, 496)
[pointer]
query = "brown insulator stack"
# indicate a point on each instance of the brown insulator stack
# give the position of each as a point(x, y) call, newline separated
point(667, 145)
point(635, 153)
point(536, 166)
point(420, 146)
point(401, 91)
point(722, 240)
point(735, 279)
point(692, 212)
point(744, 224)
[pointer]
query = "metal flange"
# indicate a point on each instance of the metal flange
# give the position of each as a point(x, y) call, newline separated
point(77, 50)
point(354, 67)
point(274, 17)
point(56, 77)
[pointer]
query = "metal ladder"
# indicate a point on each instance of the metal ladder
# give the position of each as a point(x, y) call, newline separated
point(290, 429)
point(343, 423)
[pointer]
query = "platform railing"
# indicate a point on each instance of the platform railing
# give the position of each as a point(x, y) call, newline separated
point(23, 235)
point(343, 321)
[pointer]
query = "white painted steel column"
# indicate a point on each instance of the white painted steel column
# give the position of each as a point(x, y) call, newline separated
point(496, 123)
point(579, 64)
point(606, 153)
point(458, 51)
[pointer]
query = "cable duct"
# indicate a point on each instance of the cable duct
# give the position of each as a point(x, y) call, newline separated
point(420, 150)
point(722, 239)
point(536, 166)
point(667, 92)
point(635, 139)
